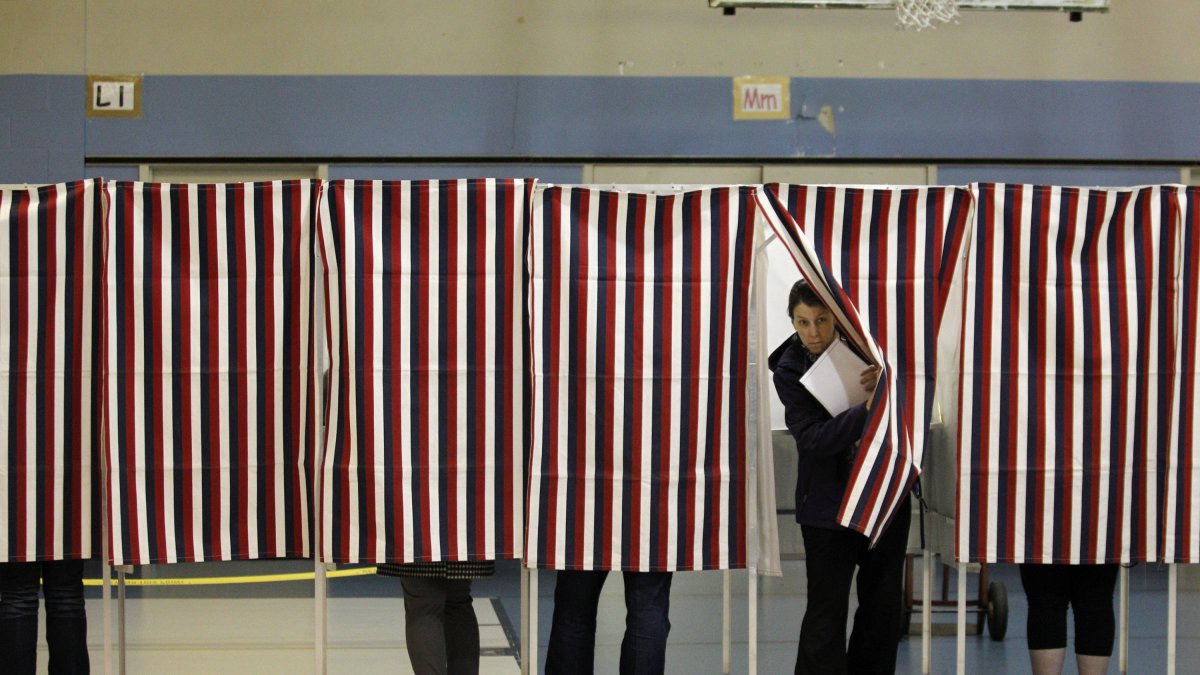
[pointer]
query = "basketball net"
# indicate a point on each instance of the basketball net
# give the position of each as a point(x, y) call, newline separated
point(921, 14)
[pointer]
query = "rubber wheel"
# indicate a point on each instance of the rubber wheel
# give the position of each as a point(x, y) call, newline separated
point(997, 611)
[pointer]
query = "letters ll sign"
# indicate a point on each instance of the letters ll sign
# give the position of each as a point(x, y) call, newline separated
point(114, 96)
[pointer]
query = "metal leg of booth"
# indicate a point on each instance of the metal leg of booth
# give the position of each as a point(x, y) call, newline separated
point(525, 612)
point(927, 612)
point(1172, 609)
point(533, 621)
point(121, 618)
point(961, 657)
point(726, 601)
point(320, 617)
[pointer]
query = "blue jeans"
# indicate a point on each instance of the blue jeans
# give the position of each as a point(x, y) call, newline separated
point(572, 647)
point(66, 623)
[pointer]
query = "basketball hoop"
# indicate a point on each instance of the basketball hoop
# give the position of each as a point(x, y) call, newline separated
point(922, 14)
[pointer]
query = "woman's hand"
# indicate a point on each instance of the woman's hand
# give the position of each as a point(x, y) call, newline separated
point(869, 378)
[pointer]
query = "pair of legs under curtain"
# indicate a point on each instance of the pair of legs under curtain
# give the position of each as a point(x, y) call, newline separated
point(831, 558)
point(66, 621)
point(1088, 591)
point(572, 649)
point(440, 627)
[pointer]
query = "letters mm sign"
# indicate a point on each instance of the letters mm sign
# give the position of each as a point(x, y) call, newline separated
point(761, 98)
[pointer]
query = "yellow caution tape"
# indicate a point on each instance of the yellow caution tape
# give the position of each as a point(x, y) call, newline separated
point(218, 581)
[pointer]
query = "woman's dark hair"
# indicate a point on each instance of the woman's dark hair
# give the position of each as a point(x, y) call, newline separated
point(802, 293)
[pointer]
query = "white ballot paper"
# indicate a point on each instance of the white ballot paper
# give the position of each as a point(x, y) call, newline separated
point(834, 378)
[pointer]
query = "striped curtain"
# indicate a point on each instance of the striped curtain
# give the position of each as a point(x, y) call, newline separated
point(886, 466)
point(1181, 527)
point(429, 393)
point(51, 332)
point(1066, 374)
point(210, 399)
point(894, 251)
point(639, 308)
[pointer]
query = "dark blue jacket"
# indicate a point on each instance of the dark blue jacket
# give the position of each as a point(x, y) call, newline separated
point(822, 441)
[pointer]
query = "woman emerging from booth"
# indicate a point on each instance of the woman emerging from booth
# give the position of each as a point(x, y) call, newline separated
point(826, 445)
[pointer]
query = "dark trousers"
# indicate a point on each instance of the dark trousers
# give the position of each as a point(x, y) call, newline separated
point(572, 647)
point(440, 626)
point(1088, 589)
point(831, 559)
point(66, 622)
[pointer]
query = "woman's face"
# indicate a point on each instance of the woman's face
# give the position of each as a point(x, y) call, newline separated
point(814, 324)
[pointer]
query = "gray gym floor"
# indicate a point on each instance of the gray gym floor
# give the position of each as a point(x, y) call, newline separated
point(269, 627)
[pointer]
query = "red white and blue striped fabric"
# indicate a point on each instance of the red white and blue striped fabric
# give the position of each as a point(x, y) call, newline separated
point(895, 252)
point(638, 306)
point(429, 397)
point(866, 234)
point(210, 400)
point(51, 332)
point(1066, 374)
point(1181, 529)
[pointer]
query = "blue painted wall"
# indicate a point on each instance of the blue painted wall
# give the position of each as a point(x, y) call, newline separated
point(41, 128)
point(44, 135)
point(1058, 175)
point(548, 173)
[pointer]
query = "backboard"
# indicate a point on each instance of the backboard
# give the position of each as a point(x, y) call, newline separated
point(1059, 5)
